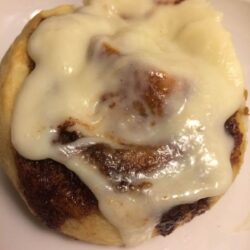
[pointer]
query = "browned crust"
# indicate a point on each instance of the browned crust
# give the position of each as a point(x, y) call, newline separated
point(73, 200)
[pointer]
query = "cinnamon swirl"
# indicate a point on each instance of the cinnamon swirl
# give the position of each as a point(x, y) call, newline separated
point(119, 123)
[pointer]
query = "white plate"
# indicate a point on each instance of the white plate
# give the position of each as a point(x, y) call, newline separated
point(225, 227)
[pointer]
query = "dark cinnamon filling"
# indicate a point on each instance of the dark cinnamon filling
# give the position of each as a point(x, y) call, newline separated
point(232, 127)
point(152, 89)
point(169, 1)
point(55, 193)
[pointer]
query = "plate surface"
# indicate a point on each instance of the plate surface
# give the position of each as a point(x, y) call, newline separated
point(225, 227)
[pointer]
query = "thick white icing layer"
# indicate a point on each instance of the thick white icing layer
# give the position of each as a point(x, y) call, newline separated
point(185, 44)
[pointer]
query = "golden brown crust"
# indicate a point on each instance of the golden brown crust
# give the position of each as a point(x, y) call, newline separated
point(75, 218)
point(14, 68)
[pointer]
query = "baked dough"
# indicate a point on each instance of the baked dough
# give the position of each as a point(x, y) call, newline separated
point(93, 227)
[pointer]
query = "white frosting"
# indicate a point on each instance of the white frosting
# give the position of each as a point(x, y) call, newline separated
point(185, 43)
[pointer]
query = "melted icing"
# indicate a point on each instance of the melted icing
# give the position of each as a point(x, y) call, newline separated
point(158, 75)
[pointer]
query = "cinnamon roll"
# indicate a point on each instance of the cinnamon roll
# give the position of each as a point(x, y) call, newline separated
point(122, 120)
